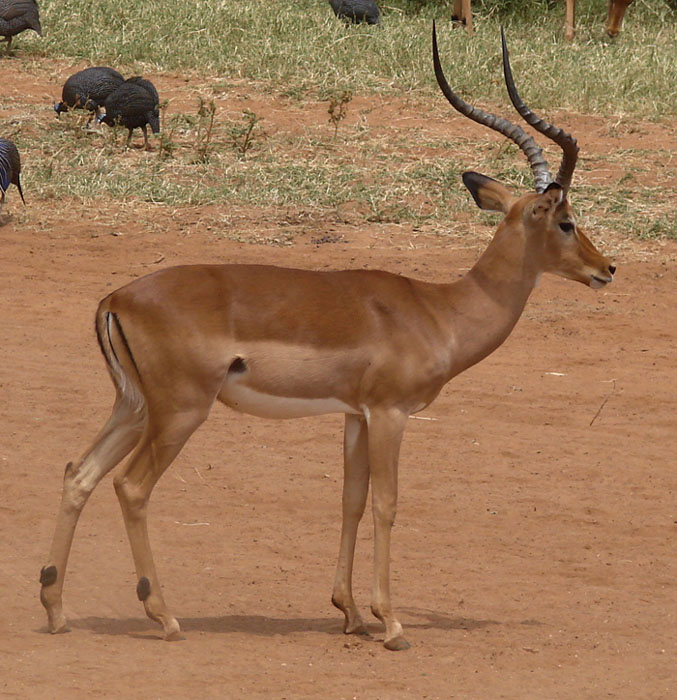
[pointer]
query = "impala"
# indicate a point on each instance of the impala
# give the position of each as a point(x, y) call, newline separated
point(283, 343)
point(463, 13)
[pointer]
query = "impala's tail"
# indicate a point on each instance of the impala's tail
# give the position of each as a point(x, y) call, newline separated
point(119, 358)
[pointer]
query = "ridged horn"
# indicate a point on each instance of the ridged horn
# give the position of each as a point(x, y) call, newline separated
point(565, 141)
point(516, 134)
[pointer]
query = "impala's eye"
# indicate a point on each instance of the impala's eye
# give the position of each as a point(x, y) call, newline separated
point(567, 226)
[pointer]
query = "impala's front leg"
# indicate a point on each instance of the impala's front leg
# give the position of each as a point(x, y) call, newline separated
point(355, 487)
point(385, 436)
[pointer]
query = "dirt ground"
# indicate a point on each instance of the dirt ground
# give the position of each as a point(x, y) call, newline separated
point(534, 549)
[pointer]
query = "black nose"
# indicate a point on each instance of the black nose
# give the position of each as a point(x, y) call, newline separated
point(612, 269)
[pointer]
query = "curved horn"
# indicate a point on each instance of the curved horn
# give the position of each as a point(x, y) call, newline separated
point(516, 134)
point(565, 141)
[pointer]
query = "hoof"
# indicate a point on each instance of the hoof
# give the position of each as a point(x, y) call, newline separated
point(174, 637)
point(397, 644)
point(360, 630)
point(173, 632)
point(56, 623)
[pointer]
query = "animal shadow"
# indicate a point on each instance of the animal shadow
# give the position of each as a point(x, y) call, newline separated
point(267, 626)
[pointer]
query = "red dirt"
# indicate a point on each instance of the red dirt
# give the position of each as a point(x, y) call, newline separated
point(534, 550)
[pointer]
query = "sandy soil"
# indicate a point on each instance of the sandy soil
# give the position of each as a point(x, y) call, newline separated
point(534, 550)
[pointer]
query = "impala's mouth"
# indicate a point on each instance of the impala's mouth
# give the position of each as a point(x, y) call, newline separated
point(599, 282)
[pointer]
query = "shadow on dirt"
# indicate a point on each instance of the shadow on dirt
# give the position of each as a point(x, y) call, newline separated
point(431, 619)
point(270, 626)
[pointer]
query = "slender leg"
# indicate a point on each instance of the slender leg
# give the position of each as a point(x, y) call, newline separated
point(570, 22)
point(617, 10)
point(146, 143)
point(117, 438)
point(458, 12)
point(462, 13)
point(467, 16)
point(385, 436)
point(9, 45)
point(355, 487)
point(155, 452)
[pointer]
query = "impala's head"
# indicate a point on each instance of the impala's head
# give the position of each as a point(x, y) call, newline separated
point(547, 221)
point(545, 216)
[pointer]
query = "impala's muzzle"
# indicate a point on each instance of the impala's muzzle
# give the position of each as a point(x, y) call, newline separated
point(599, 281)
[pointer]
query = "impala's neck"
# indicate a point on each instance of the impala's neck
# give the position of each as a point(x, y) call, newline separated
point(488, 301)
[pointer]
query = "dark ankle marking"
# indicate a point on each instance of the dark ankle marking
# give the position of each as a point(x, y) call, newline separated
point(48, 575)
point(143, 589)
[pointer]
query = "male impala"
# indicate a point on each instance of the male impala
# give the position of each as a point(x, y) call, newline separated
point(283, 343)
point(463, 13)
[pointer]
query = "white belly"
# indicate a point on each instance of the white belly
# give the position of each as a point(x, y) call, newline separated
point(246, 400)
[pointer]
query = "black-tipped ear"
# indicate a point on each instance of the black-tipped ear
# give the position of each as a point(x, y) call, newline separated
point(473, 181)
point(488, 194)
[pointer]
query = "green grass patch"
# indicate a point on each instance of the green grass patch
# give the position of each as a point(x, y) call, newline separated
point(300, 48)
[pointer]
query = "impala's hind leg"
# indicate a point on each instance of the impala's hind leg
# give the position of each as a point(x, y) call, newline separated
point(355, 487)
point(162, 441)
point(112, 444)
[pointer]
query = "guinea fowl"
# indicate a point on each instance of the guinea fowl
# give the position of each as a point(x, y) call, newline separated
point(10, 169)
point(356, 10)
point(147, 85)
point(16, 16)
point(133, 104)
point(88, 89)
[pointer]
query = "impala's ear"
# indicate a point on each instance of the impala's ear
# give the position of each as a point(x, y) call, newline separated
point(488, 194)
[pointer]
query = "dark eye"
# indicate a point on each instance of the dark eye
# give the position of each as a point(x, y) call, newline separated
point(567, 226)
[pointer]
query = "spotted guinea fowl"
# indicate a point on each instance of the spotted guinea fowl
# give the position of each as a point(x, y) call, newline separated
point(133, 104)
point(16, 16)
point(10, 169)
point(356, 10)
point(88, 89)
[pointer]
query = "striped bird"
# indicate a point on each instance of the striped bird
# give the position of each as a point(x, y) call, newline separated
point(10, 169)
point(16, 16)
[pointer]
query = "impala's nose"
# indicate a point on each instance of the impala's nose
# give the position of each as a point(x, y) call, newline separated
point(612, 269)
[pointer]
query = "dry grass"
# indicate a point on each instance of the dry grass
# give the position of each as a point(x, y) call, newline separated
point(209, 155)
